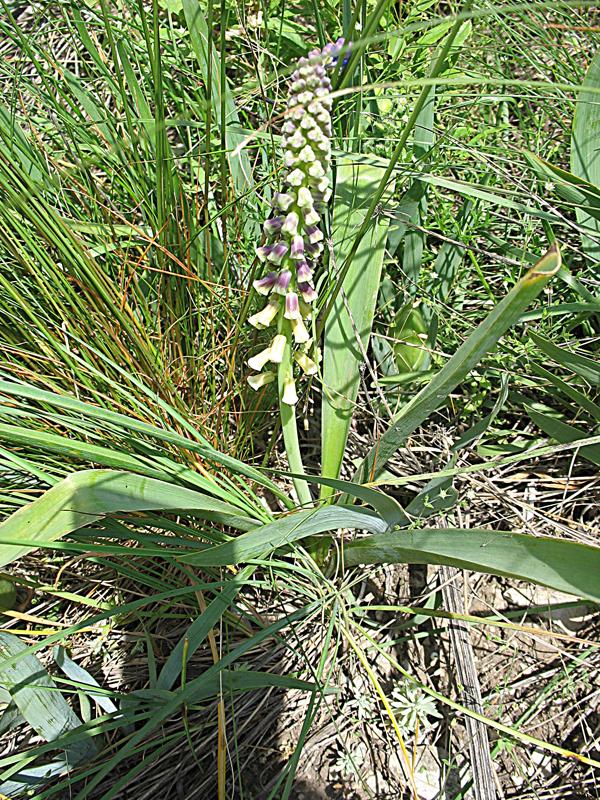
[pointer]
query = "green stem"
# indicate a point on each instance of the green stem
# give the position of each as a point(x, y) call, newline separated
point(290, 428)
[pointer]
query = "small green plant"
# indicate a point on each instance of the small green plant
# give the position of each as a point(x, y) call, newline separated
point(414, 710)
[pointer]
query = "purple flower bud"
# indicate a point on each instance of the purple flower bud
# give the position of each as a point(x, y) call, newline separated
point(282, 201)
point(273, 225)
point(303, 272)
point(283, 281)
point(277, 253)
point(297, 251)
point(313, 250)
point(292, 306)
point(264, 252)
point(314, 234)
point(265, 284)
point(309, 295)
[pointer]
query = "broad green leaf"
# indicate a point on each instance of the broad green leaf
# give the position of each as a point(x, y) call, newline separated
point(559, 564)
point(562, 432)
point(388, 509)
point(585, 149)
point(43, 707)
point(260, 542)
point(8, 594)
point(85, 683)
point(480, 342)
point(86, 497)
point(414, 239)
point(408, 331)
point(349, 324)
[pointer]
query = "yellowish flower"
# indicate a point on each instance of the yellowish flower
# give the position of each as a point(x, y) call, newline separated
point(265, 317)
point(301, 335)
point(306, 364)
point(289, 396)
point(256, 382)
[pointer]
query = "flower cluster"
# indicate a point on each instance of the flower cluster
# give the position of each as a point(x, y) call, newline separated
point(294, 239)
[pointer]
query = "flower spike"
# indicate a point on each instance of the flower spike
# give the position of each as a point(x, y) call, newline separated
point(293, 228)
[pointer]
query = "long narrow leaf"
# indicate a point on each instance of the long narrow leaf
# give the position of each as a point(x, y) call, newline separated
point(481, 341)
point(349, 324)
point(566, 566)
point(87, 496)
point(585, 150)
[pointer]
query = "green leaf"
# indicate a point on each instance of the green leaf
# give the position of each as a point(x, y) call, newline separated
point(128, 424)
point(43, 707)
point(348, 327)
point(480, 342)
point(569, 390)
point(388, 509)
point(87, 496)
point(585, 149)
point(586, 368)
point(8, 594)
point(260, 542)
point(571, 188)
point(199, 630)
point(408, 331)
point(559, 564)
point(224, 109)
point(85, 683)
point(563, 433)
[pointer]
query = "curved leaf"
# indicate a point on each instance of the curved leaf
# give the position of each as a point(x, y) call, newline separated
point(44, 708)
point(348, 327)
point(480, 342)
point(261, 541)
point(87, 496)
point(585, 150)
point(559, 564)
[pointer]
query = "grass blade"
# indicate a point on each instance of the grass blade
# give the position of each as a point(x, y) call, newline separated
point(349, 324)
point(563, 433)
point(585, 149)
point(481, 341)
point(566, 566)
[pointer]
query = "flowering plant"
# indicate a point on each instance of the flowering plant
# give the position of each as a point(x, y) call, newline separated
point(294, 237)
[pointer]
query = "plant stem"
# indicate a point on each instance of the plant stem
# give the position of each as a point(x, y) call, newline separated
point(290, 430)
